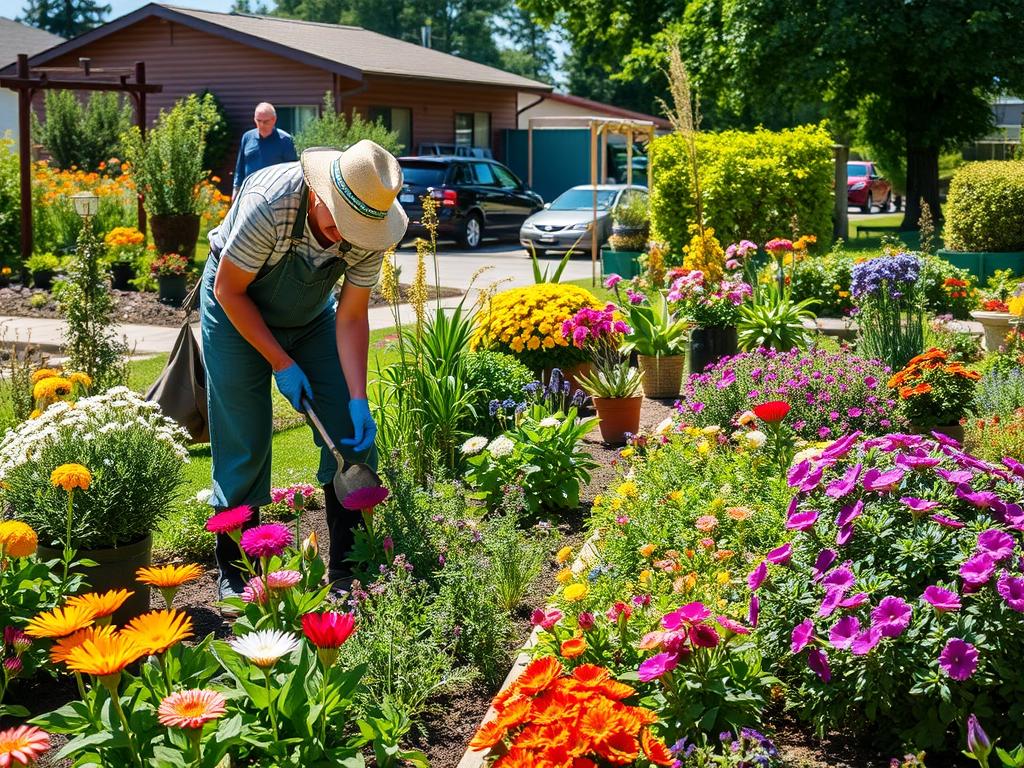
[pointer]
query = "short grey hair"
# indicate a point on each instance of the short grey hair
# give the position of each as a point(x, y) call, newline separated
point(265, 106)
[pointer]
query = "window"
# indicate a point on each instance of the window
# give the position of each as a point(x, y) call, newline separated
point(294, 119)
point(398, 119)
point(505, 178)
point(461, 175)
point(472, 129)
point(483, 174)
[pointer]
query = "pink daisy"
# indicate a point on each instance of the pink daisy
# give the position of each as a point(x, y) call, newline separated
point(284, 579)
point(22, 745)
point(254, 591)
point(191, 709)
point(266, 540)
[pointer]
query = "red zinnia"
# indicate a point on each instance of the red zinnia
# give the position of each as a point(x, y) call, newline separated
point(229, 520)
point(365, 498)
point(328, 629)
point(772, 412)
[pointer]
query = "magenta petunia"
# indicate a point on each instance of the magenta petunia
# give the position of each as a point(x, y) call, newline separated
point(545, 619)
point(841, 578)
point(797, 473)
point(948, 522)
point(919, 505)
point(841, 446)
point(865, 641)
point(812, 480)
point(844, 631)
point(955, 476)
point(365, 498)
point(657, 666)
point(917, 463)
point(757, 576)
point(980, 499)
point(780, 555)
point(996, 544)
point(844, 485)
point(891, 616)
point(844, 534)
point(704, 636)
point(817, 660)
point(1011, 589)
point(977, 570)
point(883, 482)
point(1011, 514)
point(854, 601)
point(958, 659)
point(268, 540)
point(822, 563)
point(1014, 466)
point(732, 625)
point(801, 521)
point(230, 520)
point(801, 635)
point(830, 602)
point(691, 613)
point(849, 513)
point(941, 599)
point(754, 611)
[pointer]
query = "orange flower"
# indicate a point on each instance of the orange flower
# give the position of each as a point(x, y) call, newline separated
point(157, 631)
point(60, 622)
point(620, 748)
point(539, 675)
point(59, 652)
point(166, 576)
point(104, 656)
point(615, 690)
point(655, 749)
point(739, 514)
point(590, 675)
point(102, 605)
point(599, 721)
point(490, 733)
point(573, 647)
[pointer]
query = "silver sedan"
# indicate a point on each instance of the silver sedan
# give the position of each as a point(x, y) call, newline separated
point(566, 222)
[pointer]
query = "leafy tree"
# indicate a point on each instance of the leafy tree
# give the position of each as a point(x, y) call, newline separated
point(82, 134)
point(531, 53)
point(67, 18)
point(246, 6)
point(218, 133)
point(331, 129)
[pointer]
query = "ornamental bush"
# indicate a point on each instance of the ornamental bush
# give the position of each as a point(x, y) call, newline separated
point(830, 392)
point(985, 207)
point(899, 604)
point(527, 323)
point(493, 376)
point(934, 390)
point(754, 184)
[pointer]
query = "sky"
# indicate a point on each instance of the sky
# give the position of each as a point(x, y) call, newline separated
point(121, 7)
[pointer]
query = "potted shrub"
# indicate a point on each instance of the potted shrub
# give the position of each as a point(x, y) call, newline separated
point(613, 385)
point(658, 337)
point(125, 247)
point(935, 393)
point(984, 229)
point(713, 307)
point(132, 457)
point(167, 166)
point(170, 269)
point(43, 266)
point(630, 229)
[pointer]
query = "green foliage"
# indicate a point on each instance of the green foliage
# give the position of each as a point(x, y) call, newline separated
point(633, 213)
point(42, 262)
point(774, 320)
point(67, 18)
point(493, 376)
point(516, 560)
point(1000, 391)
point(83, 134)
point(331, 129)
point(168, 164)
point(182, 535)
point(985, 207)
point(653, 330)
point(556, 276)
point(611, 378)
point(826, 279)
point(755, 184)
point(90, 342)
point(218, 134)
point(10, 203)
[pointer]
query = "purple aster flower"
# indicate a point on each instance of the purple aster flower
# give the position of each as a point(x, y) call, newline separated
point(656, 666)
point(870, 382)
point(891, 616)
point(920, 506)
point(948, 522)
point(780, 555)
point(757, 576)
point(1011, 589)
point(854, 413)
point(955, 476)
point(841, 487)
point(865, 641)
point(977, 570)
point(821, 564)
point(728, 378)
point(996, 544)
point(958, 659)
point(817, 660)
point(849, 513)
point(942, 600)
point(883, 482)
point(844, 631)
point(801, 635)
point(801, 521)
point(980, 499)
point(697, 407)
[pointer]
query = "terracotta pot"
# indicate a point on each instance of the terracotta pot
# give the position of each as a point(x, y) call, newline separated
point(115, 569)
point(175, 233)
point(662, 376)
point(618, 415)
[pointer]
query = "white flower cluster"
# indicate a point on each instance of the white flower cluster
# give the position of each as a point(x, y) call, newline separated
point(117, 409)
point(473, 445)
point(501, 446)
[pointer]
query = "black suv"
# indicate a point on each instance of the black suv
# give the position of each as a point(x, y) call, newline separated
point(475, 197)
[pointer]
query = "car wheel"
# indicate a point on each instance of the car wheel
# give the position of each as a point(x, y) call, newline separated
point(866, 208)
point(472, 232)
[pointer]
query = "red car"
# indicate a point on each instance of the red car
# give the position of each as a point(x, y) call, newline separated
point(865, 188)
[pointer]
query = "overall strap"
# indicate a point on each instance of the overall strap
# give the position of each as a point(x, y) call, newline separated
point(299, 227)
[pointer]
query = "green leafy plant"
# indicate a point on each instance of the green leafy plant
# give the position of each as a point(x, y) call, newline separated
point(334, 129)
point(775, 321)
point(515, 559)
point(79, 134)
point(10, 202)
point(493, 376)
point(611, 379)
point(985, 208)
point(653, 330)
point(634, 215)
point(547, 276)
point(42, 262)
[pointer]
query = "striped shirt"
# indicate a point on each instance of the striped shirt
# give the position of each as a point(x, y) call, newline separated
point(256, 232)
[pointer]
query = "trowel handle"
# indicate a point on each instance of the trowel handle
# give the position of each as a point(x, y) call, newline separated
point(307, 406)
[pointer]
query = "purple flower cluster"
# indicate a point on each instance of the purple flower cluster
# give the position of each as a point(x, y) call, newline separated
point(708, 304)
point(892, 275)
point(831, 394)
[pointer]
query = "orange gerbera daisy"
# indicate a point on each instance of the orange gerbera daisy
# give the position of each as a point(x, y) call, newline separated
point(539, 675)
point(517, 758)
point(60, 622)
point(157, 631)
point(615, 690)
point(599, 721)
point(655, 749)
point(168, 576)
point(515, 714)
point(573, 647)
point(102, 605)
point(490, 733)
point(104, 656)
point(59, 652)
point(620, 748)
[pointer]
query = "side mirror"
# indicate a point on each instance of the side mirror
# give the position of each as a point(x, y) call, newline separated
point(547, 205)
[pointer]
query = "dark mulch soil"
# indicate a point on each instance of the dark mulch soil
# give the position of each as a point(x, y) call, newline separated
point(142, 308)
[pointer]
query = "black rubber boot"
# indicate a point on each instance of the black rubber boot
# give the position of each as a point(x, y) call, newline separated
point(340, 522)
point(231, 580)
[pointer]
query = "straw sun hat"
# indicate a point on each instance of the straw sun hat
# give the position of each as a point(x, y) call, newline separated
point(360, 187)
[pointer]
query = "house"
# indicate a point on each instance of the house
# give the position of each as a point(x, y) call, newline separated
point(1005, 138)
point(427, 96)
point(16, 38)
point(566, 105)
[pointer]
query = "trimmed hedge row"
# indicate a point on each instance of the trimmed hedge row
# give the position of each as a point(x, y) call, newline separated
point(985, 207)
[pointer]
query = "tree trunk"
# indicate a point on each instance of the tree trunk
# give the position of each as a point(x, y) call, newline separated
point(922, 182)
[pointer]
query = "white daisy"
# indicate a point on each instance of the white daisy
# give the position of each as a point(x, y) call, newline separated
point(550, 421)
point(474, 445)
point(265, 647)
point(501, 446)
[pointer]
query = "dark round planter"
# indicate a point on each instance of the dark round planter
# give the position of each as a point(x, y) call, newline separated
point(175, 233)
point(624, 231)
point(711, 344)
point(115, 569)
point(5, 281)
point(120, 274)
point(172, 289)
point(43, 279)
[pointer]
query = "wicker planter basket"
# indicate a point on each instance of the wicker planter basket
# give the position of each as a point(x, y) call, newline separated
point(662, 376)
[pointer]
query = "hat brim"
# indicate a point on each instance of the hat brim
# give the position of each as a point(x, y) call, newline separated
point(362, 231)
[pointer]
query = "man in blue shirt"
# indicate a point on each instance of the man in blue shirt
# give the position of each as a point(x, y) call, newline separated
point(262, 146)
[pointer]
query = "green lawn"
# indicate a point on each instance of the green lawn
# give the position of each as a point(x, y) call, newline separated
point(602, 293)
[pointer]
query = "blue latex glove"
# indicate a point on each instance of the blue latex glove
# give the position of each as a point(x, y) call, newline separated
point(294, 385)
point(363, 424)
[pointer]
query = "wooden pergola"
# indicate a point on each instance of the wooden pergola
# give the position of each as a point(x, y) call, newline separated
point(599, 127)
point(28, 81)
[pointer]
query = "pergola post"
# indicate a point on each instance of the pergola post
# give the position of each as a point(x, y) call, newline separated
point(629, 156)
point(529, 152)
point(25, 159)
point(140, 120)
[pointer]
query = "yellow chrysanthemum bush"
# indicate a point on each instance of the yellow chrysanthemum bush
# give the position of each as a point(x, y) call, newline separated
point(52, 385)
point(527, 323)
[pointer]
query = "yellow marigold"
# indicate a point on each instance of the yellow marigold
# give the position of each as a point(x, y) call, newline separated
point(84, 380)
point(575, 592)
point(51, 387)
point(36, 413)
point(647, 550)
point(1016, 305)
point(18, 539)
point(44, 373)
point(104, 656)
point(564, 576)
point(722, 577)
point(628, 489)
point(563, 554)
point(675, 495)
point(645, 575)
point(71, 476)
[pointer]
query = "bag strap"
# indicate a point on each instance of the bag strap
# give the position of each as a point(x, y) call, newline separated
point(191, 302)
point(299, 227)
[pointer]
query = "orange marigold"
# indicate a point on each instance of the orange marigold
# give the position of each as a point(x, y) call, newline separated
point(655, 749)
point(573, 647)
point(539, 675)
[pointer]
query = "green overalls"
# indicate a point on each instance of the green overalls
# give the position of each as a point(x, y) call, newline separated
point(295, 301)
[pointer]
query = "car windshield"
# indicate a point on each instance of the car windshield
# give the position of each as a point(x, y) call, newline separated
point(583, 200)
point(856, 169)
point(423, 174)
